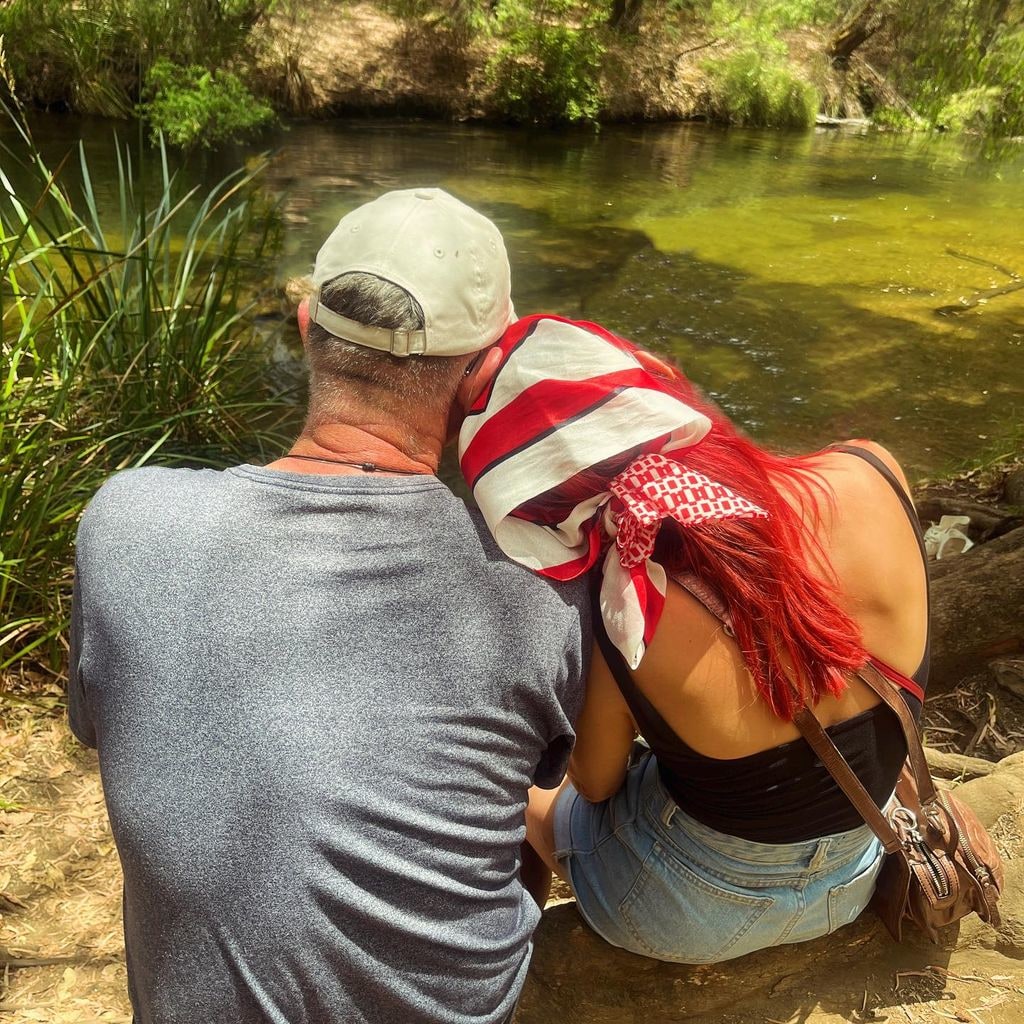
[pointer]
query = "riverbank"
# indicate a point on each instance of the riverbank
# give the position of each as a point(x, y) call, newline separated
point(204, 73)
point(655, 76)
point(61, 951)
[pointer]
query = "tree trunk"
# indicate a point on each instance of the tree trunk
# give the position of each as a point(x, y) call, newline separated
point(994, 21)
point(860, 27)
point(626, 15)
point(977, 609)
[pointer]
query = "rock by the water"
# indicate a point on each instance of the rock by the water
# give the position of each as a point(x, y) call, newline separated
point(824, 121)
point(1013, 487)
point(856, 974)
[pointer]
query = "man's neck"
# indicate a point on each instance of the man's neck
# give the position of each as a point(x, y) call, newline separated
point(372, 447)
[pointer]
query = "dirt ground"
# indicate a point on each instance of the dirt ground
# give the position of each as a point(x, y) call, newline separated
point(61, 949)
point(61, 946)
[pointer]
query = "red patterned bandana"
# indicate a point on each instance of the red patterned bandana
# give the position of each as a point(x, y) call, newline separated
point(653, 488)
point(570, 396)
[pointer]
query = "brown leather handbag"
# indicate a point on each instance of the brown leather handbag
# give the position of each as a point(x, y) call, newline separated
point(941, 863)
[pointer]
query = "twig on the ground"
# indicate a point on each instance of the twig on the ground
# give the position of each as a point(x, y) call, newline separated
point(18, 963)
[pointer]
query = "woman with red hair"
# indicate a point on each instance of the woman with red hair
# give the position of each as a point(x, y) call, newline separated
point(732, 588)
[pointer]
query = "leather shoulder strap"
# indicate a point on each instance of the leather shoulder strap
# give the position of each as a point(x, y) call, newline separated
point(840, 770)
point(845, 777)
point(890, 695)
point(706, 595)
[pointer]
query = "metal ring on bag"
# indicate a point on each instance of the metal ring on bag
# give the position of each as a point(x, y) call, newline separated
point(903, 816)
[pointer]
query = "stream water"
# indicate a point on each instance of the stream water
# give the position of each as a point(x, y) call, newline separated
point(795, 277)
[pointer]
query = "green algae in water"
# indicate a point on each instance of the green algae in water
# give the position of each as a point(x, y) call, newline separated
point(794, 276)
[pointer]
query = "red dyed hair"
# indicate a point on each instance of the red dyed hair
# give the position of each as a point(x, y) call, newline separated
point(797, 642)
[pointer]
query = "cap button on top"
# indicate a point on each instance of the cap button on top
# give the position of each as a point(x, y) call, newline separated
point(423, 195)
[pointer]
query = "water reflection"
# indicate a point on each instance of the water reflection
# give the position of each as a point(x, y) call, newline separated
point(794, 276)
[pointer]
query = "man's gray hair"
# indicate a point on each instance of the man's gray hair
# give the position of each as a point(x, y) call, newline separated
point(340, 369)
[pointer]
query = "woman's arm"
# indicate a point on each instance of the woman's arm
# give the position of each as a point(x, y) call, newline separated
point(604, 735)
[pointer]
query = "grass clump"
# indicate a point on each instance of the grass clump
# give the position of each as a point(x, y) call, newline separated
point(123, 344)
point(191, 106)
point(894, 120)
point(759, 88)
point(973, 110)
point(548, 66)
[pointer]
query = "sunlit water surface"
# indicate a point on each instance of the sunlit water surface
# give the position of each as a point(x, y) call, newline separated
point(794, 277)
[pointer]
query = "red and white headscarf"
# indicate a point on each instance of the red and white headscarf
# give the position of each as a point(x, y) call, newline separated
point(569, 397)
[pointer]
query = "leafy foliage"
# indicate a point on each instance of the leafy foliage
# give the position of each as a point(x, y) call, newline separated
point(192, 106)
point(120, 347)
point(96, 57)
point(548, 66)
point(896, 120)
point(962, 62)
point(957, 62)
point(758, 87)
point(761, 23)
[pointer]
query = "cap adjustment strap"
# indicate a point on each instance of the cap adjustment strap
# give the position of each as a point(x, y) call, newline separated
point(398, 343)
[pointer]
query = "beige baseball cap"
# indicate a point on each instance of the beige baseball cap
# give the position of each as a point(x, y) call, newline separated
point(448, 257)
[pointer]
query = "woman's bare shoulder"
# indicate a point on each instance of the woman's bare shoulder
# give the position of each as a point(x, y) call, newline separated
point(850, 470)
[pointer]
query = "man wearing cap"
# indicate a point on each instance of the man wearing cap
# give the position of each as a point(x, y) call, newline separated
point(318, 691)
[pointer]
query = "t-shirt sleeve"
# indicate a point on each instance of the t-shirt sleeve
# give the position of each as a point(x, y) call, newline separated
point(554, 762)
point(79, 714)
point(555, 759)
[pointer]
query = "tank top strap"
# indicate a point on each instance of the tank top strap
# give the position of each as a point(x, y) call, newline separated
point(920, 677)
point(653, 727)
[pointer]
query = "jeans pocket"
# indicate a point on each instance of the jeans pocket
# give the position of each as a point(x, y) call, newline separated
point(846, 901)
point(677, 915)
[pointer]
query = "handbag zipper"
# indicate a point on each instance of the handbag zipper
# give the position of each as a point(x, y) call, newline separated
point(908, 820)
point(939, 877)
point(979, 869)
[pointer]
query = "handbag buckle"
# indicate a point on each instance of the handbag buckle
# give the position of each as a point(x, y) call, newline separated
point(905, 821)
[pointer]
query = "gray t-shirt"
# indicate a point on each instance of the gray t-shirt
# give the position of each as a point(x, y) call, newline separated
point(319, 702)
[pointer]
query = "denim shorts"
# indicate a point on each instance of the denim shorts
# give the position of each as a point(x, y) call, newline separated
point(650, 879)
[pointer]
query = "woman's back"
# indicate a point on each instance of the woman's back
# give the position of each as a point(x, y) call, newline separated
point(586, 454)
point(693, 672)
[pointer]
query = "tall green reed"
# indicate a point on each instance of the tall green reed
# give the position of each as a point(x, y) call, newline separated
point(128, 336)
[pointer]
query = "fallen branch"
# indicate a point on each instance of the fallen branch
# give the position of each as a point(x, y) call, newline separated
point(694, 49)
point(19, 963)
point(979, 298)
point(957, 766)
point(977, 609)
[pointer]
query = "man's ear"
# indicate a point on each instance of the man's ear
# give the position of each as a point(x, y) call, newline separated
point(481, 375)
point(470, 387)
point(302, 315)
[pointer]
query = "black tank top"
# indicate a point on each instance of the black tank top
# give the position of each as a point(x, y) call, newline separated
point(784, 794)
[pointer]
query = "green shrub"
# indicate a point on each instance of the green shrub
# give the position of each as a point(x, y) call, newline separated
point(894, 120)
point(122, 344)
point(743, 21)
point(60, 54)
point(94, 56)
point(962, 64)
point(1003, 68)
point(547, 68)
point(973, 110)
point(759, 88)
point(191, 106)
